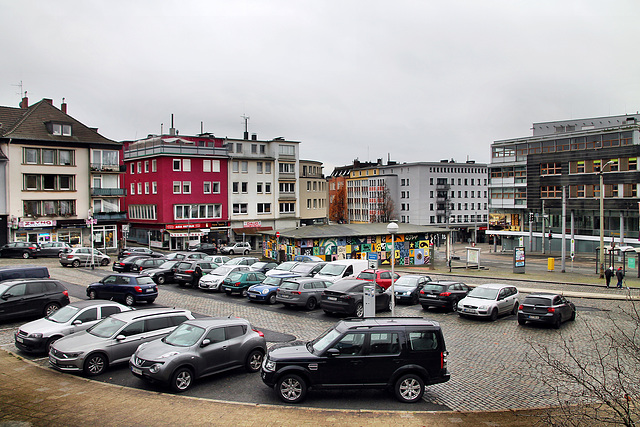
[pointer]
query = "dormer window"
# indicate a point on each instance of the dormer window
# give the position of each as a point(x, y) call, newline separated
point(59, 129)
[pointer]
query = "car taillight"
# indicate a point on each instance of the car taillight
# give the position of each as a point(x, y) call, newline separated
point(443, 359)
point(422, 292)
point(65, 293)
point(521, 307)
point(137, 289)
point(551, 310)
point(445, 294)
point(258, 332)
point(121, 264)
point(33, 248)
point(237, 284)
point(188, 271)
point(69, 256)
point(296, 292)
point(345, 297)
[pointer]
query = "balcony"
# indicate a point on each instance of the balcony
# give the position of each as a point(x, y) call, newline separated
point(287, 196)
point(156, 146)
point(110, 216)
point(113, 192)
point(99, 167)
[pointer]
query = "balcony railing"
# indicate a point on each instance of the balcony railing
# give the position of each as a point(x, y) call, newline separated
point(155, 147)
point(99, 167)
point(110, 216)
point(108, 192)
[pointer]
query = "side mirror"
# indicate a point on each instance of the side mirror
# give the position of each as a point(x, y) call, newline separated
point(6, 296)
point(333, 352)
point(205, 342)
point(77, 322)
point(120, 338)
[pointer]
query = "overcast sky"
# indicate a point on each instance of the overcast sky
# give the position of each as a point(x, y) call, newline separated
point(410, 80)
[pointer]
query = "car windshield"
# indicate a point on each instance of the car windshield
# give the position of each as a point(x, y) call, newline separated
point(286, 266)
point(302, 268)
point(106, 327)
point(484, 293)
point(289, 285)
point(63, 315)
point(222, 271)
point(3, 288)
point(184, 335)
point(321, 343)
point(258, 265)
point(270, 280)
point(365, 275)
point(406, 281)
point(332, 270)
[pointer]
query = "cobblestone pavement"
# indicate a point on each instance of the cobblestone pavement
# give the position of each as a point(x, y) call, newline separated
point(487, 359)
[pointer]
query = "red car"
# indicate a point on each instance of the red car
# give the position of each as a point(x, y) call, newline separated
point(381, 277)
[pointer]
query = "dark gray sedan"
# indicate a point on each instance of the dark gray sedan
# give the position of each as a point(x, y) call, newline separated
point(199, 348)
point(549, 308)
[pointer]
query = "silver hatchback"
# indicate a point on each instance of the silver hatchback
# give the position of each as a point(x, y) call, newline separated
point(199, 348)
point(77, 257)
point(113, 340)
point(301, 291)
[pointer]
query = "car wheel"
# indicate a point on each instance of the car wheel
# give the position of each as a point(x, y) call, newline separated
point(244, 293)
point(93, 294)
point(521, 322)
point(254, 361)
point(151, 301)
point(246, 252)
point(181, 379)
point(160, 280)
point(272, 298)
point(573, 315)
point(425, 307)
point(515, 308)
point(494, 315)
point(227, 291)
point(231, 252)
point(95, 364)
point(50, 342)
point(414, 299)
point(104, 262)
point(557, 322)
point(359, 310)
point(311, 303)
point(76, 263)
point(50, 308)
point(389, 306)
point(25, 255)
point(291, 388)
point(409, 388)
point(129, 300)
point(454, 306)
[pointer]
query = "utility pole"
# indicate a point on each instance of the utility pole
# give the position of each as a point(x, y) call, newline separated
point(543, 242)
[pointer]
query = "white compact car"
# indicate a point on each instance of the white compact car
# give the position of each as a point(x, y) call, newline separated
point(214, 279)
point(490, 300)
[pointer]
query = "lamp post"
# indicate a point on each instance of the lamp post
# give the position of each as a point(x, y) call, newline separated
point(392, 229)
point(602, 218)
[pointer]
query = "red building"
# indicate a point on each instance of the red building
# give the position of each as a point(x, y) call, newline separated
point(177, 190)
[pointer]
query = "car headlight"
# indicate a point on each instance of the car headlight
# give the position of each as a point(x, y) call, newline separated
point(72, 355)
point(483, 307)
point(36, 335)
point(269, 365)
point(265, 291)
point(155, 368)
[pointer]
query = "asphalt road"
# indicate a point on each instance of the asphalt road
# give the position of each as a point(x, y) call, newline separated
point(487, 359)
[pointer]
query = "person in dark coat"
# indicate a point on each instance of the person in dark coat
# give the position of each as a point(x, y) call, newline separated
point(619, 276)
point(608, 274)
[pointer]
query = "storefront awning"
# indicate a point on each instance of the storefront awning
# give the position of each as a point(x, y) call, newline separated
point(185, 233)
point(251, 230)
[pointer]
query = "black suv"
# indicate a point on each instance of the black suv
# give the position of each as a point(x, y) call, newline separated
point(31, 297)
point(400, 353)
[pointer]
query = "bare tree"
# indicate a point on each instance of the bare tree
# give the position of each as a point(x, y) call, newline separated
point(599, 384)
point(383, 209)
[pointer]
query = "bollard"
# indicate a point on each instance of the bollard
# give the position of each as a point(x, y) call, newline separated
point(551, 262)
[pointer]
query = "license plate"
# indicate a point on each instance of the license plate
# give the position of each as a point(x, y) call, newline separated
point(332, 298)
point(149, 290)
point(19, 339)
point(136, 370)
point(430, 296)
point(534, 317)
point(252, 296)
point(467, 310)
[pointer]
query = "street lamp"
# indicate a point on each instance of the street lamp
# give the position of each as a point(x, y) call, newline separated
point(602, 217)
point(392, 229)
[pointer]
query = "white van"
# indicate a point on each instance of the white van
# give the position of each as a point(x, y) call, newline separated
point(336, 270)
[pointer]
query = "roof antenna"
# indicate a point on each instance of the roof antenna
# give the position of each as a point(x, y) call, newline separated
point(246, 126)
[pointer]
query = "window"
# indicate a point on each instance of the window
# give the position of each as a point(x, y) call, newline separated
point(186, 187)
point(176, 165)
point(235, 166)
point(154, 187)
point(48, 157)
point(264, 208)
point(65, 182)
point(259, 167)
point(238, 147)
point(215, 188)
point(139, 188)
point(244, 165)
point(551, 191)
point(287, 150)
point(146, 166)
point(550, 169)
point(204, 211)
point(154, 165)
point(206, 187)
point(186, 165)
point(177, 185)
point(267, 187)
point(139, 167)
point(287, 187)
point(287, 207)
point(258, 187)
point(239, 208)
point(286, 167)
point(267, 167)
point(262, 149)
point(245, 185)
point(65, 157)
point(254, 148)
point(60, 129)
point(132, 169)
point(235, 187)
point(146, 188)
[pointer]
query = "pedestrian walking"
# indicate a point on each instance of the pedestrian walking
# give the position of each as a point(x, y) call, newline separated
point(619, 276)
point(608, 274)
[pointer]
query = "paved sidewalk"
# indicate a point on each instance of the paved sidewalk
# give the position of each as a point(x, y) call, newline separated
point(32, 395)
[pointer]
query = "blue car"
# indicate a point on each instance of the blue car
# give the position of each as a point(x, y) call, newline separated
point(266, 290)
point(130, 288)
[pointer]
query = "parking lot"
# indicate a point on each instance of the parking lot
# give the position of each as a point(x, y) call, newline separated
point(487, 359)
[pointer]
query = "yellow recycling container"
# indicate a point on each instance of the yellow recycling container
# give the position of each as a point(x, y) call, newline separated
point(551, 263)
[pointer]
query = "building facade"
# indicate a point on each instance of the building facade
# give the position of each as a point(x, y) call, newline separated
point(313, 197)
point(61, 178)
point(560, 165)
point(177, 190)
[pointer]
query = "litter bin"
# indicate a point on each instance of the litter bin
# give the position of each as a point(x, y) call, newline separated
point(551, 263)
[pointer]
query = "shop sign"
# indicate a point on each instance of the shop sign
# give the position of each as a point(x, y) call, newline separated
point(248, 224)
point(33, 224)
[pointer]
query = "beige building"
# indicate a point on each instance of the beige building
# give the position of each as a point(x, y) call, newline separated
point(313, 193)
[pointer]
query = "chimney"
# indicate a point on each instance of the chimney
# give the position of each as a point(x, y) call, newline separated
point(246, 135)
point(172, 130)
point(63, 107)
point(25, 101)
point(254, 136)
point(48, 101)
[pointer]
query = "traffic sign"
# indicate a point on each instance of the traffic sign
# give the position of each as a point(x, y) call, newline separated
point(277, 234)
point(372, 257)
